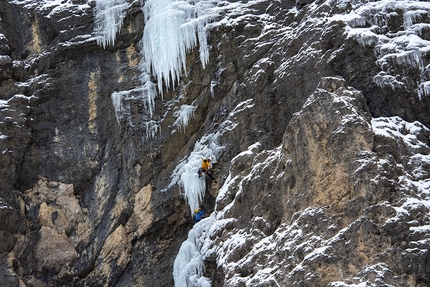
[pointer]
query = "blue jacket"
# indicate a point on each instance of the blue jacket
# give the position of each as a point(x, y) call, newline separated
point(199, 215)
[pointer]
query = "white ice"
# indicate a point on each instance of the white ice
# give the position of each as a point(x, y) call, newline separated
point(183, 115)
point(189, 263)
point(424, 89)
point(186, 173)
point(108, 20)
point(172, 29)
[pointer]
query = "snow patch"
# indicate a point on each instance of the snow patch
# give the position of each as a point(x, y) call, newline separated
point(363, 36)
point(4, 205)
point(400, 130)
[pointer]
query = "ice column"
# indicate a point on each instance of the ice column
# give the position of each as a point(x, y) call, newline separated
point(186, 175)
point(189, 263)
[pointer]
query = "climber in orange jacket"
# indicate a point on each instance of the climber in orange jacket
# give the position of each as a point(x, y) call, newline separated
point(206, 165)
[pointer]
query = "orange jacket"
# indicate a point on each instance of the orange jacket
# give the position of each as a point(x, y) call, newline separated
point(205, 164)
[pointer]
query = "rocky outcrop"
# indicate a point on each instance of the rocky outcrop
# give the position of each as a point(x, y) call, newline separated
point(328, 212)
point(311, 192)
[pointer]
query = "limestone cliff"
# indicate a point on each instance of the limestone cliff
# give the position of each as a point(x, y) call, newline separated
point(317, 112)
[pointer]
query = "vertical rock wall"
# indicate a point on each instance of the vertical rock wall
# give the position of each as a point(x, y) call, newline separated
point(81, 201)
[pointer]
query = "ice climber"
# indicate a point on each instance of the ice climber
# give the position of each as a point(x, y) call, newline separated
point(206, 166)
point(199, 214)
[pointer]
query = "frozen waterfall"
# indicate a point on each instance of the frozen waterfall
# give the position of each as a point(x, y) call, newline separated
point(172, 28)
point(188, 268)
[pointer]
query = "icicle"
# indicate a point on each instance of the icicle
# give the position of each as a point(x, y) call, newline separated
point(121, 102)
point(203, 42)
point(149, 92)
point(411, 16)
point(117, 104)
point(108, 20)
point(213, 84)
point(357, 22)
point(423, 89)
point(410, 58)
point(172, 29)
point(152, 128)
point(382, 79)
point(194, 186)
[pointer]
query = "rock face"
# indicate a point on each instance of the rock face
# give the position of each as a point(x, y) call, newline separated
point(324, 148)
point(325, 216)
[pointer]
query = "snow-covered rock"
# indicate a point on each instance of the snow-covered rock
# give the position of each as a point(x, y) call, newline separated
point(332, 206)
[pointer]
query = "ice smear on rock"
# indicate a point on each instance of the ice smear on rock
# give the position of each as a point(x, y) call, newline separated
point(183, 115)
point(185, 174)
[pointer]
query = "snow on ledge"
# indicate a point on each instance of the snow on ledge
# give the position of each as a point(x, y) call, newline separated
point(400, 130)
point(405, 48)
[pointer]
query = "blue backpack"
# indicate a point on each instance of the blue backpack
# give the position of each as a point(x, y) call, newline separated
point(199, 215)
